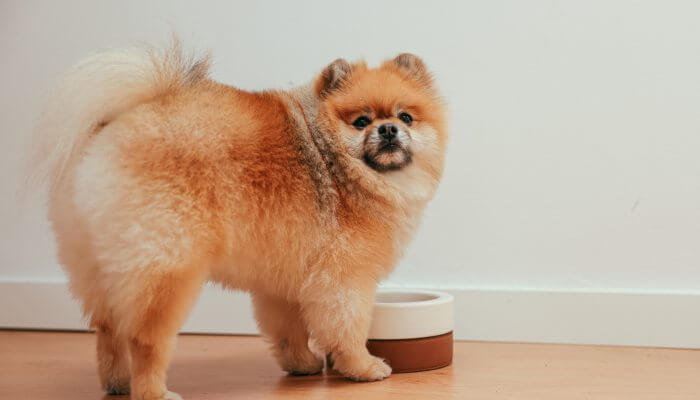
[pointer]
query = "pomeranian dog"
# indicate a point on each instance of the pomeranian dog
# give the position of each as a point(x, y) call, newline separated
point(161, 179)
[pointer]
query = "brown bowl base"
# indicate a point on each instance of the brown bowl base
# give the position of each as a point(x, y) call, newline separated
point(413, 355)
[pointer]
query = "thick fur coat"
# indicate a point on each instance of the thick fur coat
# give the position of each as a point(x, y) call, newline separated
point(162, 179)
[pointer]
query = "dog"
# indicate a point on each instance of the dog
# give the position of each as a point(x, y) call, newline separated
point(161, 179)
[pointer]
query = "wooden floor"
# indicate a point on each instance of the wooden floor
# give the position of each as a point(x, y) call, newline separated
point(50, 365)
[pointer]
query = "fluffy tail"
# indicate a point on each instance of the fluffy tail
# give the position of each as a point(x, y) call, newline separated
point(95, 91)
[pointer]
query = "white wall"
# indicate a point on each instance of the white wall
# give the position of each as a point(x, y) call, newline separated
point(574, 157)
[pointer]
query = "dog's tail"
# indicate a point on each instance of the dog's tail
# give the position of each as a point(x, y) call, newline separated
point(95, 91)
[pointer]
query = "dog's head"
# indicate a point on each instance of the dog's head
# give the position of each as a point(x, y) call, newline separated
point(390, 117)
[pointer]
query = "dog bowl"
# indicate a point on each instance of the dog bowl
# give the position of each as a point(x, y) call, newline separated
point(412, 330)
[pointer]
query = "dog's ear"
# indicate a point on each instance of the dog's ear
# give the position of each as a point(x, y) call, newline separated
point(332, 77)
point(415, 67)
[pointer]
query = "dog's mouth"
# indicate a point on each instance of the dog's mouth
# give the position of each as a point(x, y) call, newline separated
point(388, 156)
point(389, 146)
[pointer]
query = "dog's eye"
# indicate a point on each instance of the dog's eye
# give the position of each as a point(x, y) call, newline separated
point(361, 122)
point(406, 118)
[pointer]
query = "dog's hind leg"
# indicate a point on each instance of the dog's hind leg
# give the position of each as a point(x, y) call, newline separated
point(338, 317)
point(149, 322)
point(112, 355)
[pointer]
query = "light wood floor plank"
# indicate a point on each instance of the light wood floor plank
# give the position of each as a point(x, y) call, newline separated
point(59, 365)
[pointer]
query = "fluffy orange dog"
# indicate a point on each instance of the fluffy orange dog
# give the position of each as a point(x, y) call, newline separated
point(162, 180)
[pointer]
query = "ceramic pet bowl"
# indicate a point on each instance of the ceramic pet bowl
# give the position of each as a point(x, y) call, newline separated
point(412, 330)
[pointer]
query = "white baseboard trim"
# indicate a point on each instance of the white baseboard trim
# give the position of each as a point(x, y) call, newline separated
point(632, 319)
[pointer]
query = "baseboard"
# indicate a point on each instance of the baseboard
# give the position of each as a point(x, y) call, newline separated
point(633, 319)
point(48, 305)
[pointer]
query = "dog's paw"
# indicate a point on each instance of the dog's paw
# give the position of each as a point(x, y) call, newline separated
point(368, 369)
point(117, 389)
point(300, 361)
point(115, 381)
point(116, 386)
point(303, 366)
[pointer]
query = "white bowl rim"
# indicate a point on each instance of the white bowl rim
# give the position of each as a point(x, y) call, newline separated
point(440, 298)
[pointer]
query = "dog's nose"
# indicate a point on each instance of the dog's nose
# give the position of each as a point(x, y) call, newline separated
point(388, 131)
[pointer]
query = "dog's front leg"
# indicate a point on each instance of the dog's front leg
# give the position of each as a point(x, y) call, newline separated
point(338, 316)
point(282, 325)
